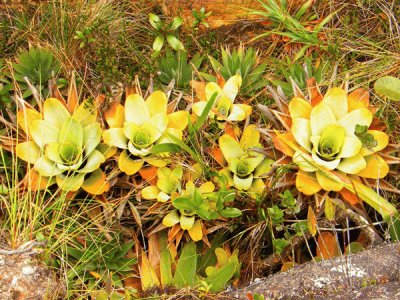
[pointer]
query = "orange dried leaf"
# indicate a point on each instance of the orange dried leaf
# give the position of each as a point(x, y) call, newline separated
point(311, 221)
point(34, 182)
point(314, 92)
point(231, 130)
point(72, 101)
point(281, 145)
point(220, 80)
point(154, 252)
point(327, 246)
point(115, 115)
point(350, 197)
point(216, 153)
point(200, 89)
point(358, 99)
point(149, 174)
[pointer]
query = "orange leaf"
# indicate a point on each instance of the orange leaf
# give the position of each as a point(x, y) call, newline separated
point(281, 145)
point(216, 153)
point(327, 246)
point(358, 99)
point(154, 253)
point(72, 101)
point(314, 92)
point(200, 89)
point(377, 124)
point(173, 232)
point(95, 274)
point(34, 182)
point(115, 115)
point(220, 80)
point(230, 130)
point(149, 174)
point(311, 221)
point(349, 196)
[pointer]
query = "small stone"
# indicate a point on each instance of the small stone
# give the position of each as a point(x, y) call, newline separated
point(27, 270)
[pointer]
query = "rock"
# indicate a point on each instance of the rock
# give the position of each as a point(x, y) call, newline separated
point(22, 277)
point(27, 270)
point(372, 274)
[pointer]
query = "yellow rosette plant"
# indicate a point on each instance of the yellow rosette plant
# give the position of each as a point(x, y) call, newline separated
point(224, 108)
point(139, 125)
point(333, 141)
point(63, 145)
point(246, 166)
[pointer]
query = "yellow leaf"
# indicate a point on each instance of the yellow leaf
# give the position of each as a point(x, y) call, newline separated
point(148, 275)
point(330, 208)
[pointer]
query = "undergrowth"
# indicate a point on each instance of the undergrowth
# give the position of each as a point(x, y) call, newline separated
point(196, 191)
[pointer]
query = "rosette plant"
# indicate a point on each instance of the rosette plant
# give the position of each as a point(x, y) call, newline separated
point(335, 132)
point(246, 166)
point(168, 182)
point(63, 144)
point(224, 108)
point(335, 142)
point(192, 203)
point(140, 125)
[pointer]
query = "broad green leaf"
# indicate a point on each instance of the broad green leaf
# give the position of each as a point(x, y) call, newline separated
point(155, 21)
point(231, 212)
point(158, 43)
point(185, 272)
point(176, 23)
point(183, 203)
point(175, 43)
point(209, 258)
point(218, 279)
point(388, 86)
point(165, 148)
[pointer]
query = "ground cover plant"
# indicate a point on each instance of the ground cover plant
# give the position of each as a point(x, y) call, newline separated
point(148, 162)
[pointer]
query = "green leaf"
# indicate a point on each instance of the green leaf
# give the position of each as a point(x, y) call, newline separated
point(200, 121)
point(354, 247)
point(165, 148)
point(158, 43)
point(280, 245)
point(155, 21)
point(388, 86)
point(183, 203)
point(231, 212)
point(209, 258)
point(175, 43)
point(185, 273)
point(197, 199)
point(176, 23)
point(218, 279)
